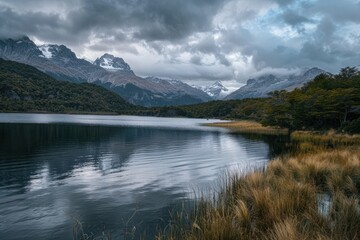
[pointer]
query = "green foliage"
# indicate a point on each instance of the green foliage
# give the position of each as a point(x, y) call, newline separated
point(351, 126)
point(324, 103)
point(26, 89)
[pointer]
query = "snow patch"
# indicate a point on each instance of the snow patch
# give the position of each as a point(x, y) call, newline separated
point(108, 65)
point(45, 51)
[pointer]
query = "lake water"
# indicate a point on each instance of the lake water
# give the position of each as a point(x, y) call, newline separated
point(108, 172)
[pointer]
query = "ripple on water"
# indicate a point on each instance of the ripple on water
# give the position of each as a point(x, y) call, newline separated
point(104, 168)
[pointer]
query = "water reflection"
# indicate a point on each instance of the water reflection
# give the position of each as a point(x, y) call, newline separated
point(102, 175)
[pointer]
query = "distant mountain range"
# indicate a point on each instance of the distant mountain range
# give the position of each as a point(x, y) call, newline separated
point(261, 86)
point(107, 71)
point(115, 74)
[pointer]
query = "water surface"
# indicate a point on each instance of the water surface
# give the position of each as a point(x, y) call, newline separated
point(108, 172)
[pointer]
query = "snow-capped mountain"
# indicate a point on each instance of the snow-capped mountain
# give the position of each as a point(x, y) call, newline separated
point(113, 64)
point(216, 91)
point(263, 85)
point(61, 63)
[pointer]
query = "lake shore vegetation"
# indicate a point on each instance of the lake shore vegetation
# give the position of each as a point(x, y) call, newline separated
point(311, 193)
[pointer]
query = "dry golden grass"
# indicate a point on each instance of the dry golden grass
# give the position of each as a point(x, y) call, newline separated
point(285, 200)
point(282, 201)
point(250, 127)
point(312, 142)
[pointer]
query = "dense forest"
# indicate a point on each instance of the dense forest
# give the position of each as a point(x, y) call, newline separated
point(25, 89)
point(327, 102)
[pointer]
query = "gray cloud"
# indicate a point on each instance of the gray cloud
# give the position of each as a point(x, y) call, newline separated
point(294, 19)
point(13, 23)
point(168, 20)
point(143, 19)
point(202, 39)
point(284, 2)
point(196, 60)
point(344, 11)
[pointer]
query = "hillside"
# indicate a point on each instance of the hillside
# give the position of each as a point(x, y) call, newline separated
point(25, 89)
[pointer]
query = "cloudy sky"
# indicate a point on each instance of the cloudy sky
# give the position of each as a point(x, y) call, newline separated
point(196, 40)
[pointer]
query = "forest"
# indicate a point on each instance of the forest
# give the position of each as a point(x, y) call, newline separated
point(25, 89)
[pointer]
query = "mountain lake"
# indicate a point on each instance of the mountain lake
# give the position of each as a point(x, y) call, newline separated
point(112, 174)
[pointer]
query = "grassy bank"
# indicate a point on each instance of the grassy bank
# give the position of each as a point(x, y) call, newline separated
point(308, 142)
point(250, 127)
point(311, 194)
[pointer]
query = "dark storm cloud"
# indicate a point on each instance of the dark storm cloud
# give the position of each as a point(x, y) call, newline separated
point(176, 19)
point(148, 20)
point(13, 23)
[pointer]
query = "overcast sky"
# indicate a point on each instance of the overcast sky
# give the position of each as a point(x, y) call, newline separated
point(196, 40)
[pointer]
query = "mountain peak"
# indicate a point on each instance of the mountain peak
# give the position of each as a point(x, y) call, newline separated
point(215, 91)
point(113, 64)
point(313, 71)
point(107, 55)
point(218, 84)
point(56, 51)
point(23, 38)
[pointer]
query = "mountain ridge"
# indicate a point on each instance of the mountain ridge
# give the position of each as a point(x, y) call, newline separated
point(61, 63)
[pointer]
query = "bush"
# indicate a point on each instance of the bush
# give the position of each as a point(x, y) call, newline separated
point(352, 127)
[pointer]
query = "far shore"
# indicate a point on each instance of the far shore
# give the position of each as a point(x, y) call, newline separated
point(246, 126)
